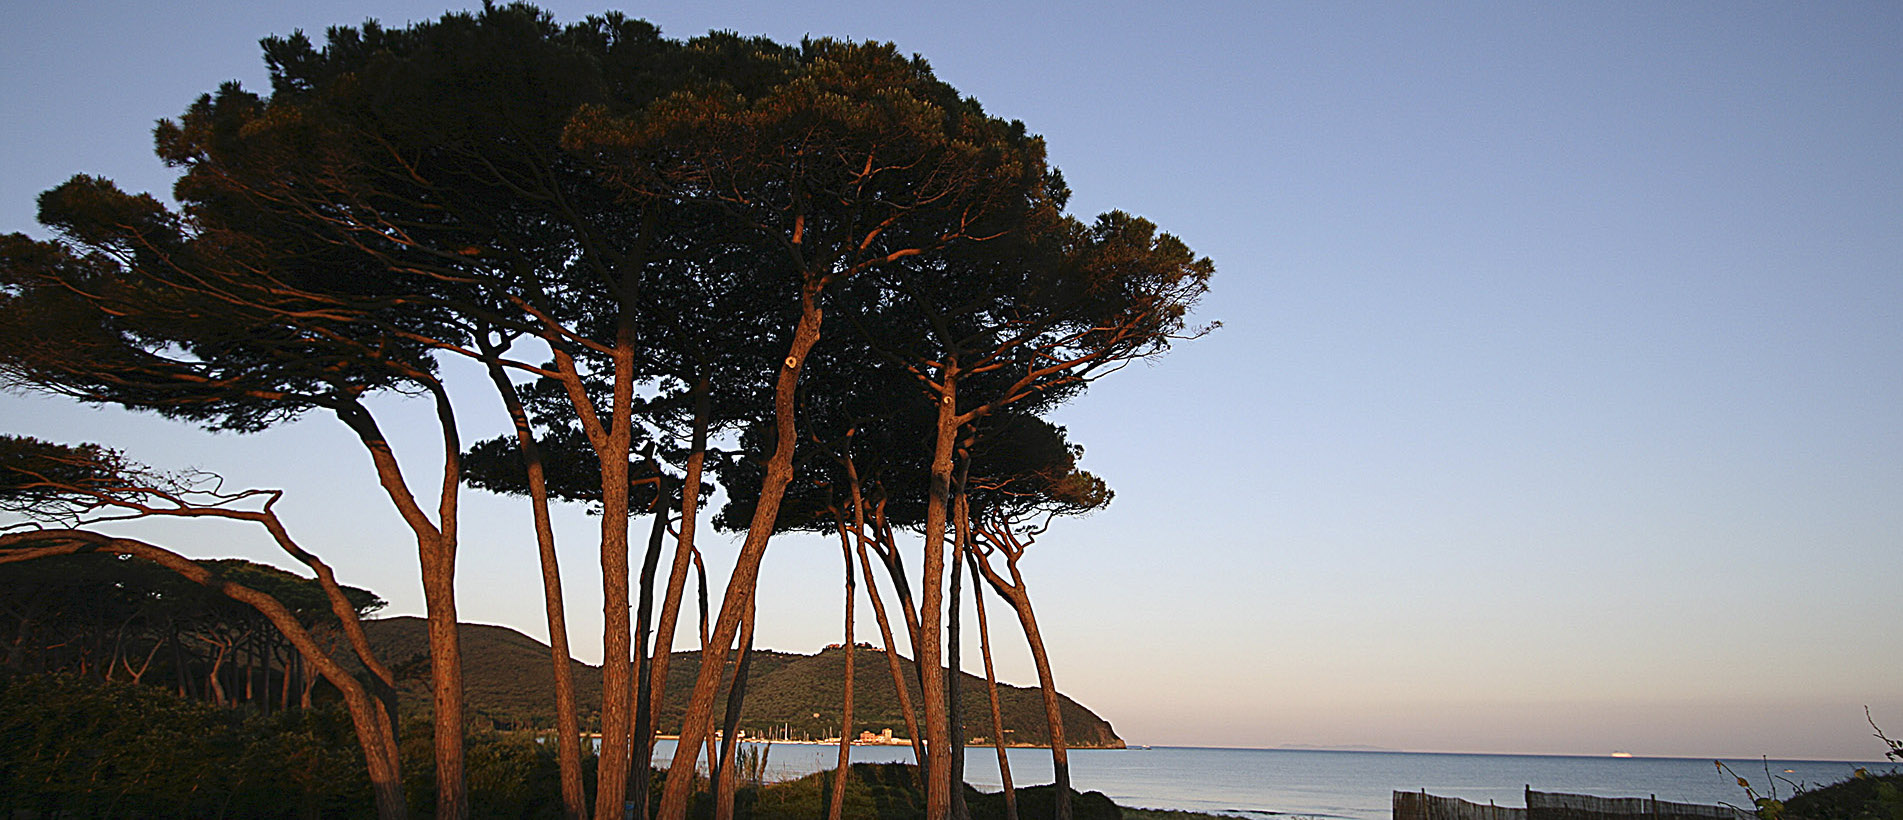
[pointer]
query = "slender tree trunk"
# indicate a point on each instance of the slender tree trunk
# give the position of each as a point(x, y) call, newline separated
point(713, 758)
point(991, 692)
point(730, 727)
point(181, 666)
point(306, 682)
point(116, 653)
point(655, 681)
point(887, 546)
point(836, 807)
point(138, 675)
point(891, 657)
point(284, 695)
point(1060, 754)
point(16, 650)
point(216, 686)
point(954, 627)
point(436, 547)
point(1015, 594)
point(382, 681)
point(746, 572)
point(567, 723)
point(643, 658)
point(938, 788)
point(446, 660)
point(250, 672)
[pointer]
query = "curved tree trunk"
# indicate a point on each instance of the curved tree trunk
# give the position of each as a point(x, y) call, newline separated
point(1060, 754)
point(713, 752)
point(382, 681)
point(446, 657)
point(885, 624)
point(887, 545)
point(436, 548)
point(746, 571)
point(1015, 594)
point(730, 726)
point(567, 724)
point(657, 537)
point(892, 660)
point(212, 682)
point(642, 725)
point(654, 683)
point(991, 693)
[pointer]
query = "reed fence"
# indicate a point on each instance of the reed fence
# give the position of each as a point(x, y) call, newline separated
point(1424, 806)
point(1556, 806)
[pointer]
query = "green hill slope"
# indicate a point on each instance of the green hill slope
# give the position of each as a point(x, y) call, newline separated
point(508, 681)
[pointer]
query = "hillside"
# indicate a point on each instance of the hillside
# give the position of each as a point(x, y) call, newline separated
point(507, 679)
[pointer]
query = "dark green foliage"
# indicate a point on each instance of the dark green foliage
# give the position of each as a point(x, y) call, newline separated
point(511, 775)
point(113, 617)
point(1036, 801)
point(46, 481)
point(89, 749)
point(1025, 467)
point(875, 791)
point(1865, 796)
point(81, 748)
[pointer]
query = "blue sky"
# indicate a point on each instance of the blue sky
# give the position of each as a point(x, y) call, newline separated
point(1558, 405)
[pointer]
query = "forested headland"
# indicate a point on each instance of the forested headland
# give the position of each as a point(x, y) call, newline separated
point(510, 686)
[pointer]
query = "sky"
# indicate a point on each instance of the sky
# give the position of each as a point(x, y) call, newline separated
point(1557, 405)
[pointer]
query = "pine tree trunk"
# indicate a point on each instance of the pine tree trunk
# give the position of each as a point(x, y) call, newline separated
point(730, 727)
point(746, 572)
point(938, 770)
point(892, 658)
point(713, 755)
point(991, 692)
point(654, 683)
point(567, 723)
point(436, 548)
point(1060, 755)
point(954, 628)
point(644, 660)
point(836, 807)
point(617, 688)
point(885, 625)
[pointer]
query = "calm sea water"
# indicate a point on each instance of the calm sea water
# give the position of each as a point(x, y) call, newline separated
point(1351, 785)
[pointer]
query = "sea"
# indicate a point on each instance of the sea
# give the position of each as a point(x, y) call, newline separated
point(1341, 785)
